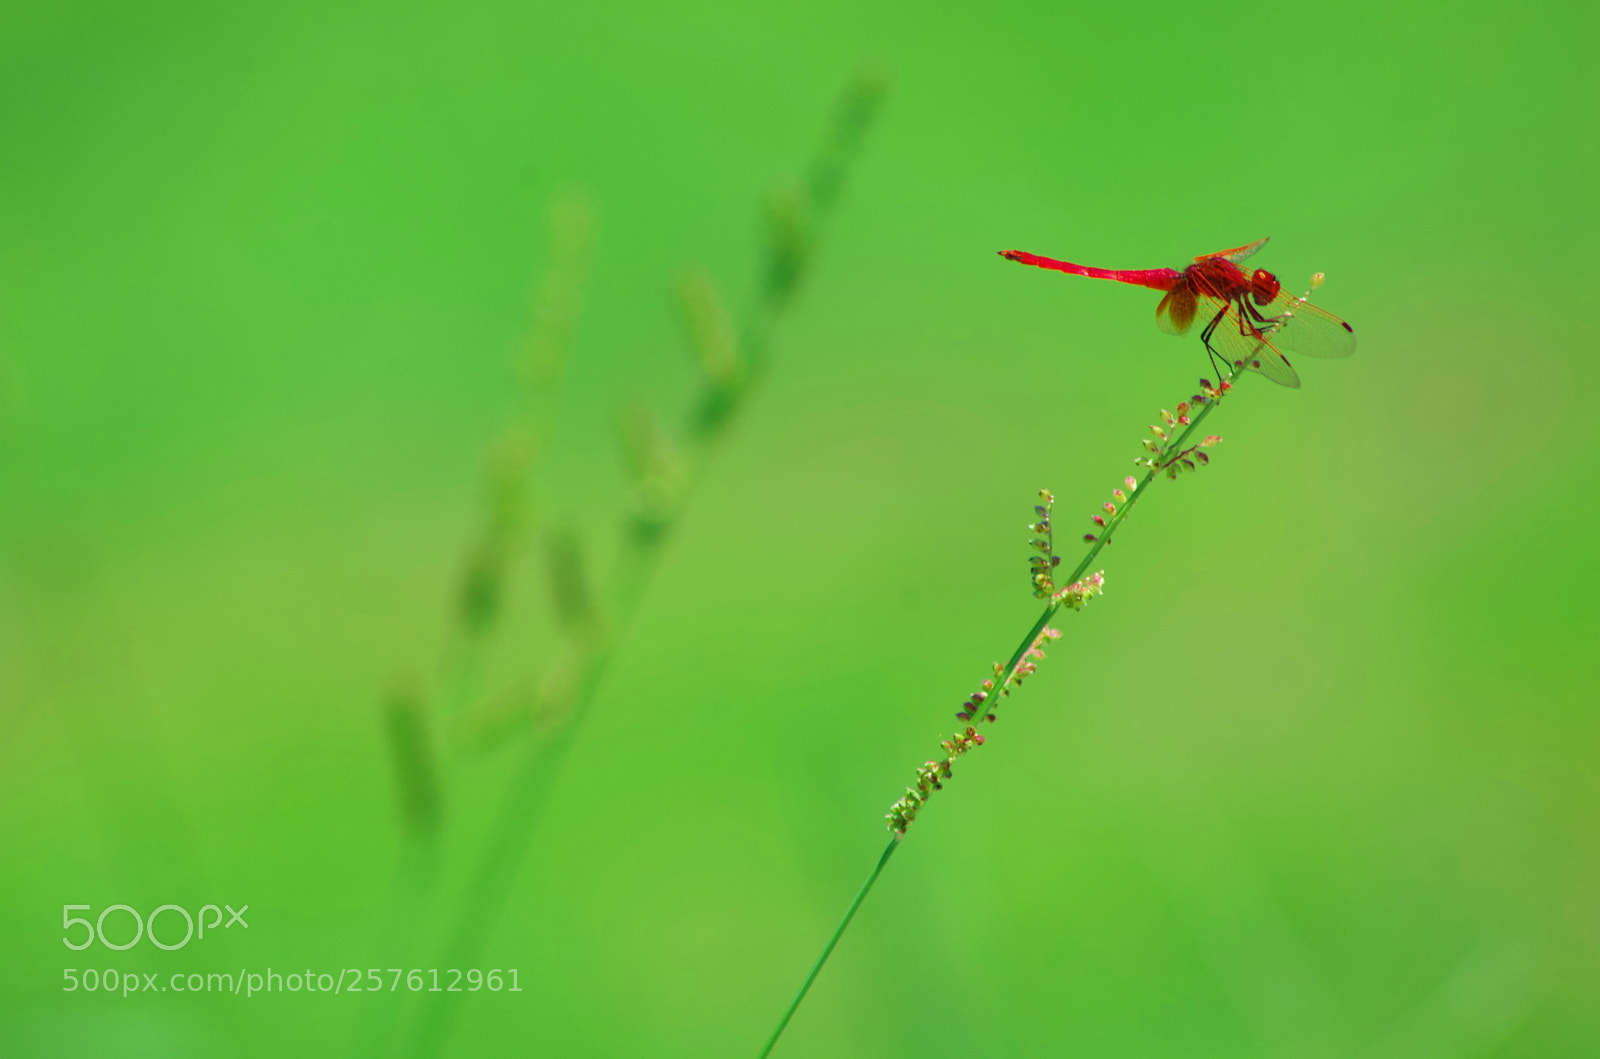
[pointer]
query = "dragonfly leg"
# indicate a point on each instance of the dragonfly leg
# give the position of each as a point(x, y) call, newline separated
point(1269, 323)
point(1205, 338)
point(1249, 317)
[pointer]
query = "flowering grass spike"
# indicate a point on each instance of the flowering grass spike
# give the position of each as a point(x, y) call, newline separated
point(1043, 564)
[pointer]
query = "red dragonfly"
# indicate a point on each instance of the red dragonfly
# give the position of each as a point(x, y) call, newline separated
point(1250, 319)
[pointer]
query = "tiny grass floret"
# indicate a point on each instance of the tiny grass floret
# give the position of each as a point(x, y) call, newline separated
point(1078, 594)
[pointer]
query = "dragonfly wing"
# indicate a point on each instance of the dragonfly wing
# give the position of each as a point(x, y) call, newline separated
point(1302, 327)
point(1238, 253)
point(1273, 365)
point(1238, 340)
point(1176, 313)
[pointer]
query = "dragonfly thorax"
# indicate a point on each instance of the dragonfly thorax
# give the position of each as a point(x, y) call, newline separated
point(1218, 277)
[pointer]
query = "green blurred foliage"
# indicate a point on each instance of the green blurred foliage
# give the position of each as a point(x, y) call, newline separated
point(1316, 778)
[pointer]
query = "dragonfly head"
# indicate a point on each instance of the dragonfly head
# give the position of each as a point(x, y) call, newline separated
point(1264, 286)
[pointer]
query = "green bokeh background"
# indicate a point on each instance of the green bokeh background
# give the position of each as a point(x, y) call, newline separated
point(1317, 777)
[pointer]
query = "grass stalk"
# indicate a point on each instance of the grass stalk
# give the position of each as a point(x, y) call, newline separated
point(1008, 675)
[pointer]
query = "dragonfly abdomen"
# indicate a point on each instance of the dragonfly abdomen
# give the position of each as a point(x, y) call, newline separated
point(1154, 278)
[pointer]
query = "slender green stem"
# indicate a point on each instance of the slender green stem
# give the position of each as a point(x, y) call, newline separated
point(827, 950)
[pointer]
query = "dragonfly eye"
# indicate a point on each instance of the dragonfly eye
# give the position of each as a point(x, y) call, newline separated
point(1264, 286)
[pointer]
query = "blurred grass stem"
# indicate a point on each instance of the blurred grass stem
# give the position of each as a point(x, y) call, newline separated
point(792, 235)
point(434, 748)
